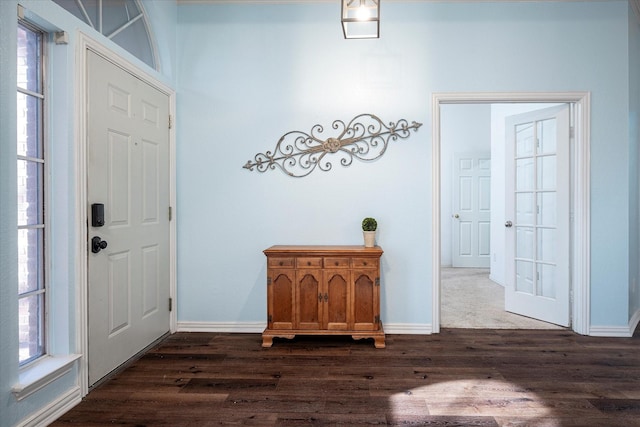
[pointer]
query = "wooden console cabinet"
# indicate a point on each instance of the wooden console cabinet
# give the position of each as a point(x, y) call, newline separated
point(323, 290)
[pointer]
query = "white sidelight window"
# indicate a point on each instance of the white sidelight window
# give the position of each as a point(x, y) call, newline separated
point(32, 184)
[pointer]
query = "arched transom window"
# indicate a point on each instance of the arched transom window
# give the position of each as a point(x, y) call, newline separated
point(123, 21)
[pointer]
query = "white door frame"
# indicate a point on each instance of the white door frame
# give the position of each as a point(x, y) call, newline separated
point(580, 192)
point(80, 160)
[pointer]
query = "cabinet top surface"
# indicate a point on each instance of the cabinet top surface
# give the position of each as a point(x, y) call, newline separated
point(326, 250)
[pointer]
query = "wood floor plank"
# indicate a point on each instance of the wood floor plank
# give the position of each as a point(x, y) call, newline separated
point(458, 377)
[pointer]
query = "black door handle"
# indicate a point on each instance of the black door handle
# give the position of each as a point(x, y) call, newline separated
point(97, 244)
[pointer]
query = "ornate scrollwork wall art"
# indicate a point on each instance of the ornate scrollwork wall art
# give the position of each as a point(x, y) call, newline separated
point(364, 138)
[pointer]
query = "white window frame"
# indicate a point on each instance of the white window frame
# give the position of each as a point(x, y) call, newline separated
point(43, 96)
point(58, 358)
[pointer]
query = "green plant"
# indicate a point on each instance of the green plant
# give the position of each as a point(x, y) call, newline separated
point(369, 224)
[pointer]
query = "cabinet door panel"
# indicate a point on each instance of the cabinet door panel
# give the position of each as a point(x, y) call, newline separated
point(337, 302)
point(309, 298)
point(281, 299)
point(365, 307)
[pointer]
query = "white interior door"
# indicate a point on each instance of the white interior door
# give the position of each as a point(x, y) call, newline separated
point(537, 212)
point(128, 172)
point(471, 210)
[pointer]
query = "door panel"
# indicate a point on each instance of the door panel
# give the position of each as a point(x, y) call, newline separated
point(537, 206)
point(472, 210)
point(281, 299)
point(336, 309)
point(127, 171)
point(309, 298)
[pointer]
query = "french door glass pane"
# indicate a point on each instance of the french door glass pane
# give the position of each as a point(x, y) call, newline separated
point(30, 260)
point(524, 140)
point(547, 209)
point(546, 280)
point(547, 173)
point(524, 174)
point(524, 242)
point(546, 245)
point(524, 277)
point(524, 209)
point(30, 323)
point(30, 197)
point(547, 136)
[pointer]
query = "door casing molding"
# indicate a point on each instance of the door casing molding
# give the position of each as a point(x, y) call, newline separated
point(84, 44)
point(580, 191)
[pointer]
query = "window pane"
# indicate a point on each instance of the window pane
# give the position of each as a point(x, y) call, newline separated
point(29, 60)
point(30, 260)
point(524, 140)
point(547, 136)
point(524, 277)
point(30, 323)
point(116, 13)
point(30, 197)
point(29, 126)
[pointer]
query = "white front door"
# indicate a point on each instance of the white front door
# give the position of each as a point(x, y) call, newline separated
point(128, 172)
point(537, 214)
point(471, 210)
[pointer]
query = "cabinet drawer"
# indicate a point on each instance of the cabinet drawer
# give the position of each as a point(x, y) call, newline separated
point(332, 262)
point(364, 262)
point(280, 262)
point(309, 262)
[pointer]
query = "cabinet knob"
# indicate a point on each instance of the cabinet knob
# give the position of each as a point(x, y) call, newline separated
point(320, 297)
point(281, 263)
point(337, 263)
point(308, 262)
point(364, 263)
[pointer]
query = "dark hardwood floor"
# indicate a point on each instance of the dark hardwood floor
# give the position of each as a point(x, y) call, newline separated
point(460, 377)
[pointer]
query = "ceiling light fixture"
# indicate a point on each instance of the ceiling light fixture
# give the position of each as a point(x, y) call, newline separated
point(361, 19)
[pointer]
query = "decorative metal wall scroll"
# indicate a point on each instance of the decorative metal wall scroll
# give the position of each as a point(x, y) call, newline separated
point(298, 153)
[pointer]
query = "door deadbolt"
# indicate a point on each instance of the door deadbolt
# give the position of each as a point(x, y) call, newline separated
point(97, 244)
point(508, 224)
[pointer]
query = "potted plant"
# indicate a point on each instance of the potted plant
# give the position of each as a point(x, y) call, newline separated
point(369, 226)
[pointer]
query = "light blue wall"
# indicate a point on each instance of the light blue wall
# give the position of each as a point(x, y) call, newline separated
point(246, 74)
point(464, 128)
point(63, 222)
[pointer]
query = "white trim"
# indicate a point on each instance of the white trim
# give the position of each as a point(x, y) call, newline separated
point(233, 327)
point(42, 373)
point(580, 176)
point(258, 327)
point(408, 328)
point(85, 43)
point(610, 331)
point(54, 410)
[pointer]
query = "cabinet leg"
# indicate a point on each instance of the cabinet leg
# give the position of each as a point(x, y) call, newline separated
point(267, 341)
point(378, 342)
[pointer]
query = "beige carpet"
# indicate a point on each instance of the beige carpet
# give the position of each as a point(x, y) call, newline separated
point(469, 299)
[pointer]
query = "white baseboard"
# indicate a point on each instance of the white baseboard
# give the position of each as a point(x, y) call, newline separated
point(610, 331)
point(258, 327)
point(408, 328)
point(236, 327)
point(53, 410)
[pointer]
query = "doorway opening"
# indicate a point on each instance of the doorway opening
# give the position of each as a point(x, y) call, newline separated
point(473, 237)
